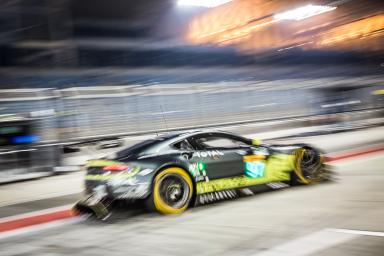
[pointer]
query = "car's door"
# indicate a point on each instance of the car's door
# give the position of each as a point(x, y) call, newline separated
point(221, 155)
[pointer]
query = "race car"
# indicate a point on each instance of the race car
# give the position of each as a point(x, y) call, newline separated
point(179, 170)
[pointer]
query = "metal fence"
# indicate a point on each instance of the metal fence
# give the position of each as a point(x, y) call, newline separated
point(83, 112)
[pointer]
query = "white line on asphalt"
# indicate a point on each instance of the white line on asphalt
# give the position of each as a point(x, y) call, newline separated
point(358, 232)
point(35, 213)
point(165, 112)
point(309, 244)
point(261, 105)
point(40, 227)
point(17, 151)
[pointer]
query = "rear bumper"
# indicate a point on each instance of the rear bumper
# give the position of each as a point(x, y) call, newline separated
point(118, 189)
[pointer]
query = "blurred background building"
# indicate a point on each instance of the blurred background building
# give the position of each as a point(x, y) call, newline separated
point(87, 33)
point(260, 25)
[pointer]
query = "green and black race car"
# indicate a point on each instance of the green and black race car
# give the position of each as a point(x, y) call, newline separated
point(176, 171)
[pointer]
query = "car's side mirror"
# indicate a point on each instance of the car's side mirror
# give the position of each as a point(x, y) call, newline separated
point(257, 142)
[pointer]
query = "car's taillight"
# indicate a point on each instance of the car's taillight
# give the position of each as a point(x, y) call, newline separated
point(115, 167)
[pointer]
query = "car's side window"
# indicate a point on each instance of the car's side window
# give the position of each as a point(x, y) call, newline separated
point(183, 145)
point(215, 141)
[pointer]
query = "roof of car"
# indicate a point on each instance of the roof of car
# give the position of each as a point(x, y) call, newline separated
point(184, 134)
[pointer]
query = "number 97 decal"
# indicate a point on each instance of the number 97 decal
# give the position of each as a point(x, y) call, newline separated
point(254, 166)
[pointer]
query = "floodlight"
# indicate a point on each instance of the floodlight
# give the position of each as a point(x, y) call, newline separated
point(303, 12)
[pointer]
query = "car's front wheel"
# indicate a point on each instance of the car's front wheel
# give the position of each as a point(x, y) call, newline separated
point(309, 167)
point(171, 192)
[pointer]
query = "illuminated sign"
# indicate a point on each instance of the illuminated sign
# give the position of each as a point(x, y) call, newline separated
point(15, 133)
point(24, 139)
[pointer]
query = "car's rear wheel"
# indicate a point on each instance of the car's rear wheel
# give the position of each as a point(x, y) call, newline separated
point(308, 167)
point(172, 191)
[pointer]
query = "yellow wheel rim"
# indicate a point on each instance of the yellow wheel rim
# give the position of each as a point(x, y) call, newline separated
point(299, 172)
point(159, 203)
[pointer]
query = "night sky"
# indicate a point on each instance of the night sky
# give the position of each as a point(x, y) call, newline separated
point(157, 16)
point(121, 9)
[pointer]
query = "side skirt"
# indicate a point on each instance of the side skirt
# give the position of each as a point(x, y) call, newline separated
point(229, 194)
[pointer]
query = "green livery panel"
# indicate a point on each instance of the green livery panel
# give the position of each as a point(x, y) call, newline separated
point(277, 168)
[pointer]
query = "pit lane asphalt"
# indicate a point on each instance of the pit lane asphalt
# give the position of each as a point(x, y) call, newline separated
point(247, 226)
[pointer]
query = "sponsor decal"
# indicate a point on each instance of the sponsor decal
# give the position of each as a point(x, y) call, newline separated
point(254, 166)
point(255, 169)
point(209, 153)
point(198, 170)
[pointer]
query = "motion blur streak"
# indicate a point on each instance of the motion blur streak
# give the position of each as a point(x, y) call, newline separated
point(361, 29)
point(255, 25)
point(303, 12)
